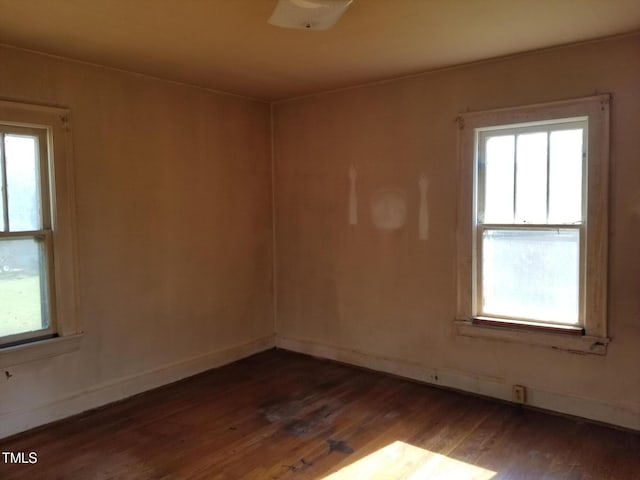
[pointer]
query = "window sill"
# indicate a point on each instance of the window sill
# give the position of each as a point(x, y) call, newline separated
point(28, 352)
point(528, 325)
point(560, 341)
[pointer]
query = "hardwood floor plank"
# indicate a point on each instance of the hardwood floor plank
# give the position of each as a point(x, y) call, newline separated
point(280, 415)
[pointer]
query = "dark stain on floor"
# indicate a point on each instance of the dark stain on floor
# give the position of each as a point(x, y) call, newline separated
point(300, 416)
point(339, 446)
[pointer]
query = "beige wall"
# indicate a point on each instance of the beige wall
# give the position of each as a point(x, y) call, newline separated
point(173, 191)
point(387, 299)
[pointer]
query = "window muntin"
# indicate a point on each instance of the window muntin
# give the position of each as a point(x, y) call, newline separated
point(529, 221)
point(26, 238)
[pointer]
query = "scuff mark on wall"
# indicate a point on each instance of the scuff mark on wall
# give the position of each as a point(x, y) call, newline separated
point(389, 209)
point(423, 213)
point(353, 200)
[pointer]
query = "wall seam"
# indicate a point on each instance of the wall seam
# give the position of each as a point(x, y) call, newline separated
point(274, 265)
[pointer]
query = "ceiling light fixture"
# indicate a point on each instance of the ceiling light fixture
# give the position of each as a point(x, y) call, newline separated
point(308, 14)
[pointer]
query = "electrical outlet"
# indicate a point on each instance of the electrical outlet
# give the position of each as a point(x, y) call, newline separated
point(519, 394)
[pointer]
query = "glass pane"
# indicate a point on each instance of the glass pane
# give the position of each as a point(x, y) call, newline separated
point(565, 176)
point(531, 178)
point(23, 306)
point(498, 179)
point(531, 274)
point(21, 156)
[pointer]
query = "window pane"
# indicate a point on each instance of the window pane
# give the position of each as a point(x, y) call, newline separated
point(565, 176)
point(531, 178)
point(23, 182)
point(23, 306)
point(498, 179)
point(532, 274)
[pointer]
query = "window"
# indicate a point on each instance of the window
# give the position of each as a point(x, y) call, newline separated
point(37, 257)
point(532, 219)
point(25, 235)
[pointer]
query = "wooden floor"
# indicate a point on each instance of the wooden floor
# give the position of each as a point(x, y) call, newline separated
point(279, 415)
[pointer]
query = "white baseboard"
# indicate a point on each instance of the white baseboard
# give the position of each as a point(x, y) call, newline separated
point(114, 390)
point(620, 414)
point(624, 415)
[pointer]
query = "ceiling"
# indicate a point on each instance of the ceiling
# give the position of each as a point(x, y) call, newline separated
point(227, 45)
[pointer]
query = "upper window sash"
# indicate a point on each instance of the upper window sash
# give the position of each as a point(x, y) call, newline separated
point(510, 212)
point(42, 177)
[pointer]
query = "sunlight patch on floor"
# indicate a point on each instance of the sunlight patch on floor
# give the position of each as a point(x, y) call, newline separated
point(402, 460)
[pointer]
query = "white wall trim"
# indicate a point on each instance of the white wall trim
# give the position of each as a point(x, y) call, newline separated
point(28, 352)
point(118, 389)
point(571, 343)
point(626, 415)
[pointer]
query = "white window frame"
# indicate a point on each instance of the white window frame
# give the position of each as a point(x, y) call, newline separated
point(592, 336)
point(53, 128)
